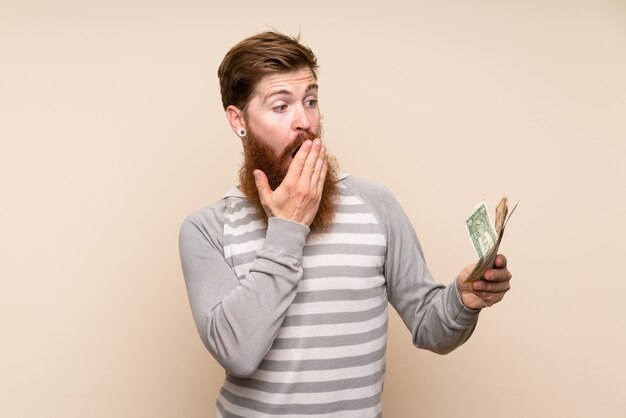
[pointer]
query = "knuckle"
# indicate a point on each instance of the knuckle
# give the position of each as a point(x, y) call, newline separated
point(300, 193)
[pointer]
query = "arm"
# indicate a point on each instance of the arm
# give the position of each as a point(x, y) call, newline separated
point(434, 314)
point(239, 319)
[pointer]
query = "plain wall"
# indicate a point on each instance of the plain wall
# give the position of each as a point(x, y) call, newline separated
point(112, 131)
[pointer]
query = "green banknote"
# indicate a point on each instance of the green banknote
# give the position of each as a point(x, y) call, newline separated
point(485, 237)
point(481, 231)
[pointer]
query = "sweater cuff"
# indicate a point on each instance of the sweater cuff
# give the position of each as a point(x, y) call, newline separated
point(285, 236)
point(461, 313)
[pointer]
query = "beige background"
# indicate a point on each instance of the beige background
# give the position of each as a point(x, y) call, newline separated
point(111, 132)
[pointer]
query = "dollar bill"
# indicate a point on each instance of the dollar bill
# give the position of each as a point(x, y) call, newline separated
point(481, 230)
point(485, 237)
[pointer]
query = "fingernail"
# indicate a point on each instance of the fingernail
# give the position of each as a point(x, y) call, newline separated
point(318, 141)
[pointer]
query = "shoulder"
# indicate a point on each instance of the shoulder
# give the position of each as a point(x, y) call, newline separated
point(375, 194)
point(211, 217)
point(207, 215)
point(366, 189)
point(379, 198)
point(205, 225)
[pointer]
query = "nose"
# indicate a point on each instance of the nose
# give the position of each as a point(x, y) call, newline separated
point(302, 120)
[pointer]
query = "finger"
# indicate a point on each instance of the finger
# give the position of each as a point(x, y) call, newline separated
point(497, 275)
point(319, 166)
point(467, 271)
point(311, 160)
point(501, 261)
point(461, 278)
point(322, 180)
point(262, 186)
point(482, 286)
point(296, 166)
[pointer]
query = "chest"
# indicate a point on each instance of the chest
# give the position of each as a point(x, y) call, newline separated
point(354, 246)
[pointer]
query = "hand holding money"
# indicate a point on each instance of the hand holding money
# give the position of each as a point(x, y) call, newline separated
point(485, 238)
point(485, 283)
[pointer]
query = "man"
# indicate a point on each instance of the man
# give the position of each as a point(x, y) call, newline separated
point(289, 274)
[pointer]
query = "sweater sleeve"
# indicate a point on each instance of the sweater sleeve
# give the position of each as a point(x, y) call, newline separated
point(238, 319)
point(434, 313)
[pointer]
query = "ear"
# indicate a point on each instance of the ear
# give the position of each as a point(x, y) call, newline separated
point(235, 118)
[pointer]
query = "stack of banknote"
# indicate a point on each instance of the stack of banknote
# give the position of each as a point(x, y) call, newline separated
point(485, 236)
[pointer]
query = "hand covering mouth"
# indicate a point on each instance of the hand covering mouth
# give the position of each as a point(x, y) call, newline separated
point(300, 139)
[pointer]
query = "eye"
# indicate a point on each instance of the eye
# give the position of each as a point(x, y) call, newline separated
point(311, 103)
point(280, 108)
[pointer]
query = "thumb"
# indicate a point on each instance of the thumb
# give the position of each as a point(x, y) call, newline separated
point(461, 282)
point(262, 186)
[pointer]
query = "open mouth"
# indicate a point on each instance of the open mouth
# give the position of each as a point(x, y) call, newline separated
point(293, 154)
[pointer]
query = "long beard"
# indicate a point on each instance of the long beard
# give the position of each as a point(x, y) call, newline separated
point(260, 156)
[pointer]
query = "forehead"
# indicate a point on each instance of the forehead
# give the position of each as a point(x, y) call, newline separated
point(293, 82)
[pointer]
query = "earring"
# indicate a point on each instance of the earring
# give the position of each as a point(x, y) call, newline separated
point(242, 132)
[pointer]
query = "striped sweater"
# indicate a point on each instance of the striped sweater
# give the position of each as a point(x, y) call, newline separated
point(299, 320)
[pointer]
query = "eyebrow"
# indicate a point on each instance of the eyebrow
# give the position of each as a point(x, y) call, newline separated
point(312, 86)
